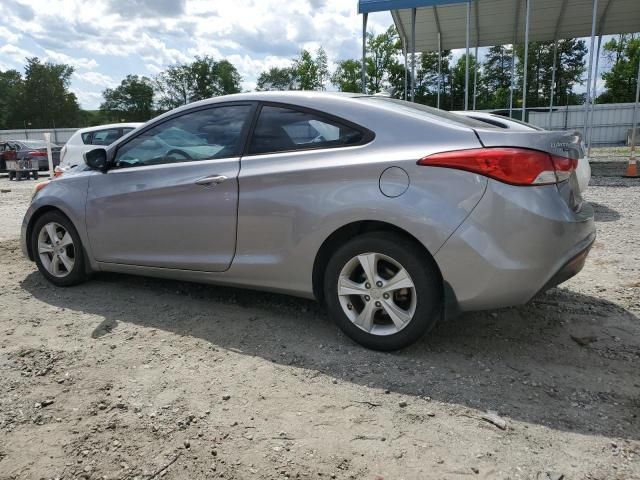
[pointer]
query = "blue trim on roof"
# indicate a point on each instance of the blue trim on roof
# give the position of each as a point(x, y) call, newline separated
point(366, 6)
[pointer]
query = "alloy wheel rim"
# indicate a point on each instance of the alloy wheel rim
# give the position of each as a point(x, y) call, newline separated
point(56, 249)
point(377, 293)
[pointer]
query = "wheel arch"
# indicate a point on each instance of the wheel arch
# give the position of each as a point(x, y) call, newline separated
point(346, 233)
point(34, 218)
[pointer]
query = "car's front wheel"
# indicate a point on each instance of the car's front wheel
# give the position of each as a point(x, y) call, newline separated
point(383, 290)
point(57, 250)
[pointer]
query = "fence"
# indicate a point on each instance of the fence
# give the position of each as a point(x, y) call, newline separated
point(58, 135)
point(611, 121)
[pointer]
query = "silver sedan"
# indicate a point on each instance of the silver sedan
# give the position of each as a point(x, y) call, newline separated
point(393, 214)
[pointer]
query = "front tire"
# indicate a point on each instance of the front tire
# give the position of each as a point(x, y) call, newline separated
point(383, 290)
point(57, 250)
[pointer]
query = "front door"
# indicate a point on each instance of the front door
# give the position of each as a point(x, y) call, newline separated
point(171, 198)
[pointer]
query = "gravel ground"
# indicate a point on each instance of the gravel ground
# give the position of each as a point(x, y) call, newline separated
point(134, 378)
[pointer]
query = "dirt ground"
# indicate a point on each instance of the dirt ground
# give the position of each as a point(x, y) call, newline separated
point(134, 378)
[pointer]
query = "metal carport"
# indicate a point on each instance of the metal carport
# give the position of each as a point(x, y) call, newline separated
point(436, 25)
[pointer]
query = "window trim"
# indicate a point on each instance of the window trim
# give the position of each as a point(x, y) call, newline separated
point(367, 135)
point(244, 134)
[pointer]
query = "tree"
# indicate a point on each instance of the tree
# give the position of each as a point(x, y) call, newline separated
point(10, 88)
point(132, 101)
point(569, 70)
point(623, 52)
point(457, 84)
point(322, 62)
point(382, 52)
point(496, 71)
point(211, 78)
point(348, 76)
point(427, 78)
point(203, 78)
point(173, 87)
point(43, 99)
point(276, 79)
point(306, 70)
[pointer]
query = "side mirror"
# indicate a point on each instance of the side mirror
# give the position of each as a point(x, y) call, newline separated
point(96, 159)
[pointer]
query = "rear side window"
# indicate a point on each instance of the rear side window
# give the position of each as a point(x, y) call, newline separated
point(282, 129)
point(105, 137)
point(86, 138)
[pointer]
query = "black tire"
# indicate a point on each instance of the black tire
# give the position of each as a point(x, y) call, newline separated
point(12, 175)
point(423, 273)
point(35, 175)
point(78, 273)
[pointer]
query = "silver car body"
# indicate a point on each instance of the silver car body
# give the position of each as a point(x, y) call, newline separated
point(271, 227)
point(583, 172)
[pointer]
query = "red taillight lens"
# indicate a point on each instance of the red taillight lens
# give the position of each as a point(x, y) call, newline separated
point(516, 166)
point(37, 154)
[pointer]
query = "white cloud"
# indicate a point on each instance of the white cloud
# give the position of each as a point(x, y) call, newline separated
point(96, 78)
point(106, 40)
point(78, 62)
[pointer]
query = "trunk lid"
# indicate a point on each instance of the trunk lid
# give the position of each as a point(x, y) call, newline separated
point(564, 143)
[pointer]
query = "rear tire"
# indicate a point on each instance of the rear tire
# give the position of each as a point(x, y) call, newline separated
point(12, 175)
point(35, 175)
point(383, 290)
point(57, 250)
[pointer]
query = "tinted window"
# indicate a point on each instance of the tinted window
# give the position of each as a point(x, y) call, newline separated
point(202, 135)
point(127, 130)
point(105, 137)
point(86, 138)
point(282, 129)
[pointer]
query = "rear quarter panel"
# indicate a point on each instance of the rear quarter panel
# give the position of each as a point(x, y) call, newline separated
point(290, 203)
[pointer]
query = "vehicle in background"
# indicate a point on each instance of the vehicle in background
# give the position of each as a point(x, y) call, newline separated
point(34, 150)
point(392, 213)
point(6, 153)
point(583, 171)
point(86, 139)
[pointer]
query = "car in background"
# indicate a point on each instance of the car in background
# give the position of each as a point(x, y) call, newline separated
point(583, 171)
point(34, 150)
point(86, 139)
point(6, 153)
point(392, 213)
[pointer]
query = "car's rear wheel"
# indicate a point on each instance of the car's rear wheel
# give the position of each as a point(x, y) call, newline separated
point(57, 250)
point(383, 290)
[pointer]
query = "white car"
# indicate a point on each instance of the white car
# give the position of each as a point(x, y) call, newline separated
point(86, 139)
point(583, 172)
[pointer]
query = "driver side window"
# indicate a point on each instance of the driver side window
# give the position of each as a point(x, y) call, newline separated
point(206, 134)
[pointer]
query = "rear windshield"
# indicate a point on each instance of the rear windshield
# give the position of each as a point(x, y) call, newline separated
point(423, 110)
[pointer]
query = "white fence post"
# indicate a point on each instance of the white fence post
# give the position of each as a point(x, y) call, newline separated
point(47, 138)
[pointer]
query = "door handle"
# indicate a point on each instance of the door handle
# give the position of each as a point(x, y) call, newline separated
point(212, 180)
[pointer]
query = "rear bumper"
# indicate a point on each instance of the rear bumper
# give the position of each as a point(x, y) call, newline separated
point(517, 242)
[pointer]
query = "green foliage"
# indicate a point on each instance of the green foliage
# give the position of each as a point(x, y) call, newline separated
point(304, 73)
point(276, 79)
point(623, 53)
point(201, 79)
point(132, 101)
point(10, 87)
point(39, 100)
point(348, 76)
point(382, 61)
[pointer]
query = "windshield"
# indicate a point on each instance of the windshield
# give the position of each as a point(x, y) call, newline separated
point(423, 110)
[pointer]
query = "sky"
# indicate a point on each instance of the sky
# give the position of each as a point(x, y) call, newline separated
point(107, 39)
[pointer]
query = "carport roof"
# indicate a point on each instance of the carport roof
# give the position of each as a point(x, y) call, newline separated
point(501, 22)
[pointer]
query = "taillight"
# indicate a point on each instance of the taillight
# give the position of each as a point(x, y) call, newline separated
point(37, 154)
point(515, 166)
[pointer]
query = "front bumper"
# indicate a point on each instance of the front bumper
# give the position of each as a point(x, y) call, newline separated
point(517, 242)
